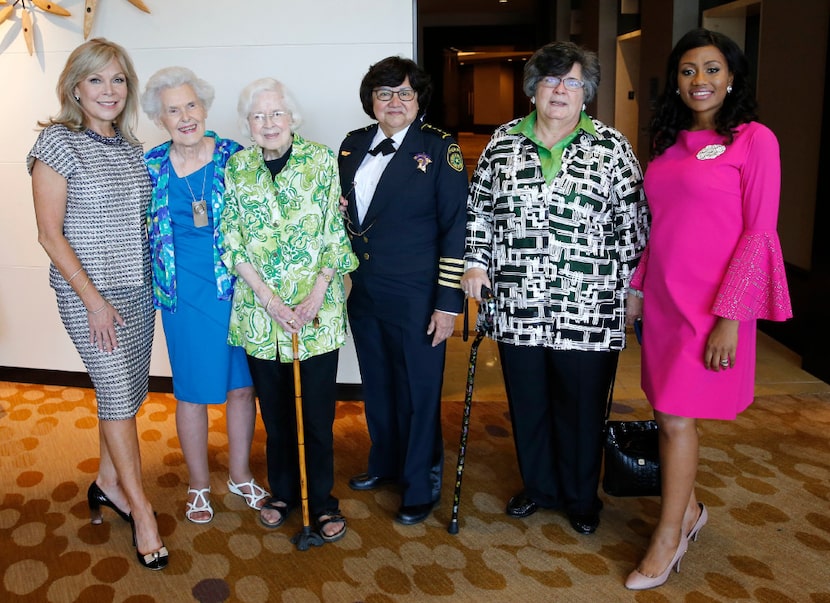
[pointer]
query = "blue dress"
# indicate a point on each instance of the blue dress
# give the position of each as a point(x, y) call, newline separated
point(204, 366)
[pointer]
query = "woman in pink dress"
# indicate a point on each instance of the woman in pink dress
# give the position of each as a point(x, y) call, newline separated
point(712, 267)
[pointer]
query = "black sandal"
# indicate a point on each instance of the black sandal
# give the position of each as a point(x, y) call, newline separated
point(274, 504)
point(331, 517)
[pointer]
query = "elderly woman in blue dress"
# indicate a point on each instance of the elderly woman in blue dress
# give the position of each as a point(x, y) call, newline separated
point(192, 287)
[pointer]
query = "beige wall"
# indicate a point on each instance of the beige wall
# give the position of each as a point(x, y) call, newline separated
point(318, 48)
point(493, 86)
point(626, 110)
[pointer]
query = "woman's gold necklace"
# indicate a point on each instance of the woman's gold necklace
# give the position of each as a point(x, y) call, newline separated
point(199, 206)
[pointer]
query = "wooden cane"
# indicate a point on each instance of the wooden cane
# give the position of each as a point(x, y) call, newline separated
point(305, 538)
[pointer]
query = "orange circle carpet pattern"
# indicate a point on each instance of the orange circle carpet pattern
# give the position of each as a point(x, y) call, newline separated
point(764, 477)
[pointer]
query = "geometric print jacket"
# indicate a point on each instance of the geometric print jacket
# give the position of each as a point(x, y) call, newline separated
point(559, 255)
point(160, 226)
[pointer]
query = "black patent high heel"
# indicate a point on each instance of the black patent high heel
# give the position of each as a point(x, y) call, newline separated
point(95, 497)
point(157, 560)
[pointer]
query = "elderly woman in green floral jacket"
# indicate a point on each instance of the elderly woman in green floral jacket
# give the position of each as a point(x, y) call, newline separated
point(284, 236)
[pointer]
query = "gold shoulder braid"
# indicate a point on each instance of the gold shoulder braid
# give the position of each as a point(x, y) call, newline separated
point(433, 130)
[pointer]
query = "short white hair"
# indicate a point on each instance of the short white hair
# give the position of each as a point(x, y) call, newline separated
point(266, 84)
point(173, 77)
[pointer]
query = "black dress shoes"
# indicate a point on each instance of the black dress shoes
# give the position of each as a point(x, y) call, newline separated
point(584, 523)
point(364, 481)
point(409, 515)
point(521, 505)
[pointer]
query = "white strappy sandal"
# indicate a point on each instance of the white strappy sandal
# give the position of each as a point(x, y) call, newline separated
point(200, 504)
point(252, 498)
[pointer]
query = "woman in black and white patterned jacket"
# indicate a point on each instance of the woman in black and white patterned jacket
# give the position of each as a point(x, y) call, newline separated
point(556, 222)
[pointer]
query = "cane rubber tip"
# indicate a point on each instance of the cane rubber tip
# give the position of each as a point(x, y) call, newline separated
point(453, 527)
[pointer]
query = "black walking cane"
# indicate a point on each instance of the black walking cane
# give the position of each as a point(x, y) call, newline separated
point(307, 537)
point(488, 313)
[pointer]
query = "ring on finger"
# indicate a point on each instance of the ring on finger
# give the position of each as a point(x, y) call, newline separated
point(724, 363)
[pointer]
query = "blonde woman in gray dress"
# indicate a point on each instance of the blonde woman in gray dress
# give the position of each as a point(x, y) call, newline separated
point(91, 192)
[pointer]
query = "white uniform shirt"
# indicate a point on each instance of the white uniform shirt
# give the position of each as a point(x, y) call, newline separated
point(371, 169)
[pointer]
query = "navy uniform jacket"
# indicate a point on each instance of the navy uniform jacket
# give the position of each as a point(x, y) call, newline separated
point(411, 241)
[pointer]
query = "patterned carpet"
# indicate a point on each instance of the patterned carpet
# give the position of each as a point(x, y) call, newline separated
point(765, 478)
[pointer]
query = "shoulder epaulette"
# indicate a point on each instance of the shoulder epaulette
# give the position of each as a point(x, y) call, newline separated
point(363, 129)
point(436, 131)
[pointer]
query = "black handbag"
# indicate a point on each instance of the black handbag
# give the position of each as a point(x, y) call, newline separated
point(632, 459)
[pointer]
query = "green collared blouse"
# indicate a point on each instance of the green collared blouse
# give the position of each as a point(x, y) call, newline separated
point(559, 232)
point(550, 159)
point(288, 228)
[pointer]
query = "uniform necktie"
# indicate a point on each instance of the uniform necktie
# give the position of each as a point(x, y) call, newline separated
point(386, 147)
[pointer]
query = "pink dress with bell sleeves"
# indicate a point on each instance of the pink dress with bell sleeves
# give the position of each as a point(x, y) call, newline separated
point(713, 252)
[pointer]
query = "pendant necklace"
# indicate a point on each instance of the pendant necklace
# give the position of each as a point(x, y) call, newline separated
point(199, 207)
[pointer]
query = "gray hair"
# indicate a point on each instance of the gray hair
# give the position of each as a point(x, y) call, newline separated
point(266, 84)
point(173, 77)
point(557, 59)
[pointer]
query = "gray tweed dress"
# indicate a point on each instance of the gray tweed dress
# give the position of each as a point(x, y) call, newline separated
point(108, 192)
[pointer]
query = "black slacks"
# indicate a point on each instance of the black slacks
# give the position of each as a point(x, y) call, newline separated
point(557, 405)
point(402, 377)
point(274, 385)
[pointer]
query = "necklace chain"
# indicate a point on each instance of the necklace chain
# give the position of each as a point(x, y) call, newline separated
point(204, 179)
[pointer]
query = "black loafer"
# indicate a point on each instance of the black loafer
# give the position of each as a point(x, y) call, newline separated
point(521, 505)
point(364, 481)
point(409, 515)
point(584, 523)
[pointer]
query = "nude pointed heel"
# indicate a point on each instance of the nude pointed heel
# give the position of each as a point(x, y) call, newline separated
point(701, 521)
point(638, 581)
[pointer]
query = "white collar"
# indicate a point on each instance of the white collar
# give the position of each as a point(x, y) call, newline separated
point(397, 138)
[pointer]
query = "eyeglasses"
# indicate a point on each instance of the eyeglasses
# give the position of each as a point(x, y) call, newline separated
point(571, 83)
point(405, 94)
point(261, 118)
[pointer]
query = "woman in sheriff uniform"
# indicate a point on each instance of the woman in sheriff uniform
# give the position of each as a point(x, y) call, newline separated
point(406, 189)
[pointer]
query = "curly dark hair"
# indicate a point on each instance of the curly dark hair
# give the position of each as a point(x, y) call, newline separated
point(672, 115)
point(392, 71)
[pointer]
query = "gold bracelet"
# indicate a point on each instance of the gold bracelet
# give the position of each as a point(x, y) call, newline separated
point(268, 305)
point(86, 284)
point(99, 310)
point(74, 274)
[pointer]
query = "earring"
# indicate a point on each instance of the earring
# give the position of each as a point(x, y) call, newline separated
point(532, 100)
point(77, 98)
point(583, 106)
point(677, 91)
point(729, 89)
